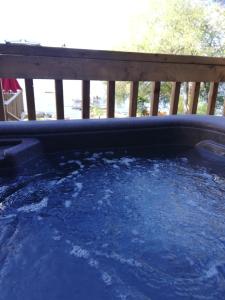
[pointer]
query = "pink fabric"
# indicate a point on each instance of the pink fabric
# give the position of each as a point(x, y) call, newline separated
point(9, 84)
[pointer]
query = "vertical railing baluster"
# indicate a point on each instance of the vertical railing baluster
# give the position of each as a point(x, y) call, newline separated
point(85, 99)
point(212, 98)
point(110, 99)
point(30, 99)
point(59, 99)
point(155, 98)
point(174, 99)
point(2, 106)
point(133, 98)
point(195, 89)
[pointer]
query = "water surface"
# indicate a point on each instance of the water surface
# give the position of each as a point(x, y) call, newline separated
point(112, 227)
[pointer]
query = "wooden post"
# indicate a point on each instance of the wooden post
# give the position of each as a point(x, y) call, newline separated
point(133, 98)
point(224, 108)
point(2, 107)
point(155, 98)
point(195, 89)
point(30, 99)
point(59, 99)
point(212, 98)
point(86, 99)
point(110, 99)
point(174, 100)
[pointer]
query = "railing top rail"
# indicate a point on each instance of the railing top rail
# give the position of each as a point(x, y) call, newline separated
point(26, 50)
point(37, 62)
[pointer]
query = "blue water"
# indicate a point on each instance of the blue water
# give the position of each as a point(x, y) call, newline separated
point(112, 227)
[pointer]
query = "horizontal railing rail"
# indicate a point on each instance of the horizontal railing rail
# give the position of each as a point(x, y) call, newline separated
point(37, 62)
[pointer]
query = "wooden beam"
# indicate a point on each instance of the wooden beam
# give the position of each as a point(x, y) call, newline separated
point(174, 99)
point(155, 98)
point(86, 99)
point(41, 67)
point(57, 52)
point(133, 98)
point(29, 87)
point(11, 116)
point(59, 99)
point(110, 99)
point(2, 106)
point(195, 89)
point(212, 97)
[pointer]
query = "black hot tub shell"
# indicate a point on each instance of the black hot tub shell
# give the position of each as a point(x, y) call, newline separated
point(20, 141)
point(162, 238)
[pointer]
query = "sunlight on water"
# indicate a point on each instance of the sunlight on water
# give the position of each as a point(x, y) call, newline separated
point(103, 226)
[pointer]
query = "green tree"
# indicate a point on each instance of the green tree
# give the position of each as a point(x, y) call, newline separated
point(186, 27)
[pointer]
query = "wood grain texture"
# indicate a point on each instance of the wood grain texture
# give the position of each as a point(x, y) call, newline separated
point(110, 99)
point(86, 99)
point(37, 62)
point(14, 105)
point(174, 99)
point(155, 98)
point(195, 89)
point(41, 67)
point(133, 98)
point(212, 98)
point(11, 117)
point(2, 108)
point(30, 99)
point(59, 99)
point(108, 55)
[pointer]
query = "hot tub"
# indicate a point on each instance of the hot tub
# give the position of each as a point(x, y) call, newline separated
point(113, 209)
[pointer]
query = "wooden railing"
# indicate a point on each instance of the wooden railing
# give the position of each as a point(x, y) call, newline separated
point(13, 105)
point(36, 62)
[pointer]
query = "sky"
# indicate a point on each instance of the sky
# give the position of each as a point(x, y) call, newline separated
point(90, 24)
point(87, 24)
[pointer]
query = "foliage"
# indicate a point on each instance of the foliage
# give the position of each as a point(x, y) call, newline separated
point(194, 27)
point(187, 27)
point(122, 91)
point(202, 108)
point(97, 112)
point(142, 106)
